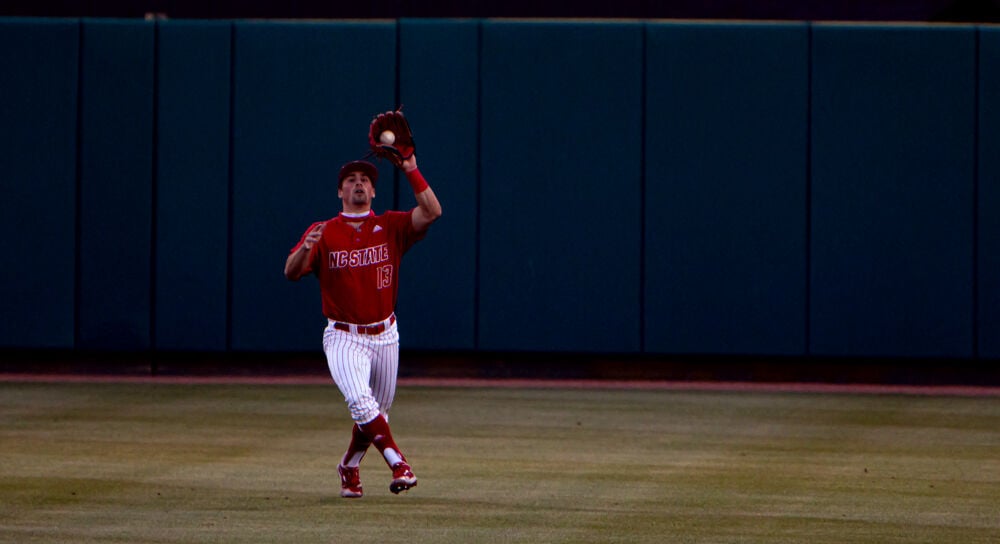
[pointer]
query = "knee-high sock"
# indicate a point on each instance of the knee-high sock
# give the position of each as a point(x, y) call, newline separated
point(356, 450)
point(377, 430)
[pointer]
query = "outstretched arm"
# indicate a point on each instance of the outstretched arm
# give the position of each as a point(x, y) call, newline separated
point(390, 138)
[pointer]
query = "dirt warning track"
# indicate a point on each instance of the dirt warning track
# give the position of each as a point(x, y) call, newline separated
point(717, 386)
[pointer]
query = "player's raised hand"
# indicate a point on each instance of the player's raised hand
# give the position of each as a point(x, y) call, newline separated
point(313, 236)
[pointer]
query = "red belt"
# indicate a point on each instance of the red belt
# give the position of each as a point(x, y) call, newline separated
point(377, 328)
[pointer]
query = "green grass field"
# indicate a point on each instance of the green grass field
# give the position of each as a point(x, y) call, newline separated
point(158, 463)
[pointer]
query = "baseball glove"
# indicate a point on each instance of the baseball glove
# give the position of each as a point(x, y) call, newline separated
point(390, 138)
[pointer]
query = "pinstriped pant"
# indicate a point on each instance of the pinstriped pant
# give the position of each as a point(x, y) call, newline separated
point(364, 367)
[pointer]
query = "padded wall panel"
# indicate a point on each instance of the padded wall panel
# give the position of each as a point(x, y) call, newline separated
point(726, 188)
point(559, 220)
point(989, 192)
point(438, 87)
point(892, 190)
point(192, 185)
point(116, 185)
point(304, 95)
point(38, 111)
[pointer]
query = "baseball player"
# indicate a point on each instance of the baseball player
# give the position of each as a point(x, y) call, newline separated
point(356, 257)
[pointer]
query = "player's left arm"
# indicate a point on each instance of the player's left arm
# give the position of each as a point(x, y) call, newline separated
point(428, 208)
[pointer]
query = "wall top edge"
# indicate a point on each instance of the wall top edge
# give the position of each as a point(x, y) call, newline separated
point(160, 18)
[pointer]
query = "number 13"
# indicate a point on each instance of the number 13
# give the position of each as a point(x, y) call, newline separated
point(385, 276)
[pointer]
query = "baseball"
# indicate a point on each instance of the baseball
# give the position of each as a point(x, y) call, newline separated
point(387, 137)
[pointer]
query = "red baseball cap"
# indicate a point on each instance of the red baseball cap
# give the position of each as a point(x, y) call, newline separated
point(364, 167)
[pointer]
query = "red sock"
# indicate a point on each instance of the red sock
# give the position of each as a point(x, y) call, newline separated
point(377, 430)
point(356, 450)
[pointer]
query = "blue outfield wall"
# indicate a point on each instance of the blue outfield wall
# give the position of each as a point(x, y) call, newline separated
point(988, 233)
point(652, 187)
point(192, 186)
point(115, 183)
point(39, 63)
point(560, 187)
point(893, 148)
point(725, 244)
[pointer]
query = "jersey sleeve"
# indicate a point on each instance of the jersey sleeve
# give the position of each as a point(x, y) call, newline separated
point(406, 235)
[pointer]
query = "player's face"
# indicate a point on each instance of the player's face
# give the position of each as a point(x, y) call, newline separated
point(356, 190)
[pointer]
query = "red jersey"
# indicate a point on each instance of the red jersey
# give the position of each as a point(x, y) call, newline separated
point(358, 270)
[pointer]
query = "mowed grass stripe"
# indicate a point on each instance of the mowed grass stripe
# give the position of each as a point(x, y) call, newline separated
point(125, 462)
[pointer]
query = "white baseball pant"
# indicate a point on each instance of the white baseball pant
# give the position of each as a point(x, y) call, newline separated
point(364, 368)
